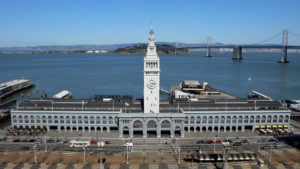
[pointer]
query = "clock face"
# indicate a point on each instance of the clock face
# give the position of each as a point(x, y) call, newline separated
point(151, 84)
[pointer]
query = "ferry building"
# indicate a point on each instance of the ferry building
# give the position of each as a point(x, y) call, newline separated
point(151, 116)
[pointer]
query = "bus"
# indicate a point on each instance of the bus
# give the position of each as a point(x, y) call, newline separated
point(77, 143)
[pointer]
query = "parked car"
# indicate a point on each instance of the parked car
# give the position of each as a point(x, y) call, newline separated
point(107, 142)
point(200, 142)
point(237, 143)
point(219, 142)
point(272, 140)
point(60, 142)
point(93, 142)
point(50, 141)
point(16, 140)
point(24, 148)
point(209, 142)
point(262, 140)
point(245, 141)
point(278, 144)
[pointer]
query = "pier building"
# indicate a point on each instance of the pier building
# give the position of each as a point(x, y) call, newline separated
point(151, 116)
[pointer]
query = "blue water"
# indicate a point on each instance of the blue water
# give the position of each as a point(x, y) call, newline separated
point(88, 74)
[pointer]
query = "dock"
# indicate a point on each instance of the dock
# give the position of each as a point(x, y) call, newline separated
point(11, 87)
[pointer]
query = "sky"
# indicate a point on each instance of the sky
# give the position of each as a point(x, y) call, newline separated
point(98, 22)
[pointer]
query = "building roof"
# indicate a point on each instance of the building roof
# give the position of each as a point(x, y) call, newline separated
point(136, 106)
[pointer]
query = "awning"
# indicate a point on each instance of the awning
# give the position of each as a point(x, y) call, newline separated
point(279, 126)
point(285, 126)
point(268, 126)
point(262, 127)
point(257, 127)
point(274, 126)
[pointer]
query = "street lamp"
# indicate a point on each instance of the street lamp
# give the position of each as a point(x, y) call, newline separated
point(177, 149)
point(200, 152)
point(84, 154)
point(34, 150)
point(215, 144)
point(100, 145)
point(45, 140)
point(225, 156)
point(258, 144)
point(271, 148)
point(128, 146)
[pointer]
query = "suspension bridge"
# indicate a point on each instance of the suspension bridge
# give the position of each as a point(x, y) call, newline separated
point(237, 49)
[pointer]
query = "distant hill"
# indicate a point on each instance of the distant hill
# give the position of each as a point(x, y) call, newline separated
point(64, 48)
point(111, 47)
point(142, 49)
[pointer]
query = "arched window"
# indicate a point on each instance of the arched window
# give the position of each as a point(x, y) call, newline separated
point(192, 120)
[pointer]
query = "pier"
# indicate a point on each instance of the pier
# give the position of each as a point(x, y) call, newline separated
point(11, 87)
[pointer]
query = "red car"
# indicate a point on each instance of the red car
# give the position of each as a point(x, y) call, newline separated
point(93, 142)
point(209, 142)
point(219, 141)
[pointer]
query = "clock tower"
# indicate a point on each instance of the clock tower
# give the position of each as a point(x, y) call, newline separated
point(151, 77)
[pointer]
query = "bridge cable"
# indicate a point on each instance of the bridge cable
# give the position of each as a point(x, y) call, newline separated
point(295, 34)
point(270, 38)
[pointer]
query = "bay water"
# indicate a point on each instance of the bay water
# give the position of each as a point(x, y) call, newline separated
point(88, 74)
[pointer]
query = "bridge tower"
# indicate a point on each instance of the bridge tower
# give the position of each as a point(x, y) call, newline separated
point(237, 53)
point(176, 46)
point(284, 47)
point(207, 47)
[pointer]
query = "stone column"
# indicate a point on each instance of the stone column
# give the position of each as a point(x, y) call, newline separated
point(144, 129)
point(130, 131)
point(182, 130)
point(158, 128)
point(120, 131)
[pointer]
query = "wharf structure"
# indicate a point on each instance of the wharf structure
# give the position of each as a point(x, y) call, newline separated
point(151, 116)
point(10, 87)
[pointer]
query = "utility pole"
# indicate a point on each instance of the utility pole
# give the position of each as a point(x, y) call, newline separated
point(271, 148)
point(45, 140)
